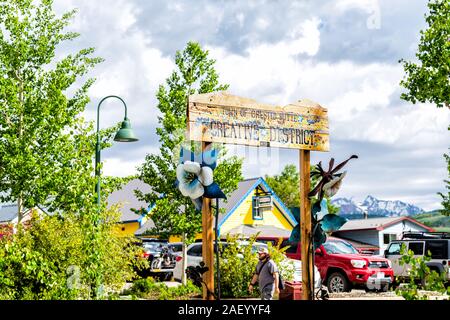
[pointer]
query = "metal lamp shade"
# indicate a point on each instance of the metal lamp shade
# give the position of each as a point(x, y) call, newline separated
point(125, 133)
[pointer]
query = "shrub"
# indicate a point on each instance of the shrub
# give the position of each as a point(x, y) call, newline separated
point(419, 271)
point(149, 289)
point(48, 259)
point(238, 263)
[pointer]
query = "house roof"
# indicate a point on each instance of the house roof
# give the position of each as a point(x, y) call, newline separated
point(8, 212)
point(377, 224)
point(237, 196)
point(127, 197)
point(148, 225)
point(264, 231)
point(245, 187)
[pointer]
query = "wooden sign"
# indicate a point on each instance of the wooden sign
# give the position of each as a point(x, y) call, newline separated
point(224, 118)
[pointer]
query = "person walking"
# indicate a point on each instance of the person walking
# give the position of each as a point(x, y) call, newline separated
point(266, 274)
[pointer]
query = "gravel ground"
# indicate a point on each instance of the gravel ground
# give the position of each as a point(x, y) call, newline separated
point(363, 295)
point(390, 295)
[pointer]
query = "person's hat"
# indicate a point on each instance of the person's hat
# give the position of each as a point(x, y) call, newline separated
point(263, 250)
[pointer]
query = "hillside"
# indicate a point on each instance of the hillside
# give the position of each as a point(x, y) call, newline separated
point(435, 220)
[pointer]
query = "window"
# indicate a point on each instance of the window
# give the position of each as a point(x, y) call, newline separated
point(388, 237)
point(339, 247)
point(261, 204)
point(416, 247)
point(292, 246)
point(438, 249)
point(394, 248)
point(176, 247)
point(195, 251)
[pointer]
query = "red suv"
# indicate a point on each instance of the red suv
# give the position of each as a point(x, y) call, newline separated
point(342, 267)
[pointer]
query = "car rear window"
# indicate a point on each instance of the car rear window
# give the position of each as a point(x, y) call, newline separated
point(153, 246)
point(292, 246)
point(195, 251)
point(176, 247)
point(438, 249)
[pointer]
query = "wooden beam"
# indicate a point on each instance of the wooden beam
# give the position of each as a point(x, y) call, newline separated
point(305, 228)
point(207, 242)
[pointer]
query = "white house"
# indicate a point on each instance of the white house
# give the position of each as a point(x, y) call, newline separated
point(379, 232)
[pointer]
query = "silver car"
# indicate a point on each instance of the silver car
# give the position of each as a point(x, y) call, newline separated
point(194, 257)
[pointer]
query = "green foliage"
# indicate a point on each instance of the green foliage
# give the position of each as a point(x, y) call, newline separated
point(419, 271)
point(435, 220)
point(428, 80)
point(238, 262)
point(287, 187)
point(149, 289)
point(446, 197)
point(285, 266)
point(195, 73)
point(48, 260)
point(46, 147)
point(237, 265)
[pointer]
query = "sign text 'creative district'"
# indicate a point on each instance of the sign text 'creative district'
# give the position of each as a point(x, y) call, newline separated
point(224, 118)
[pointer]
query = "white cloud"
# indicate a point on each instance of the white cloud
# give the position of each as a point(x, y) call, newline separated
point(268, 60)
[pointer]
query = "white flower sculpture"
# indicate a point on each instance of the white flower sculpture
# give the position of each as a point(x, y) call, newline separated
point(196, 180)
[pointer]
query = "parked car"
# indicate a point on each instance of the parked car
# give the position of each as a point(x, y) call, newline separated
point(438, 244)
point(194, 257)
point(161, 257)
point(342, 267)
point(176, 247)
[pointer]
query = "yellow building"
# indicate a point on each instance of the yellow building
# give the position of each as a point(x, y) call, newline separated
point(253, 207)
point(131, 220)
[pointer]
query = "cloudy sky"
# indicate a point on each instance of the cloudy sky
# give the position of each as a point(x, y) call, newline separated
point(343, 54)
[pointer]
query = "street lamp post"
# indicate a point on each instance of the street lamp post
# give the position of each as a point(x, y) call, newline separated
point(125, 134)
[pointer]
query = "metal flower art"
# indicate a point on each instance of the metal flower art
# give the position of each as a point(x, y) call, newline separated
point(330, 178)
point(323, 222)
point(195, 178)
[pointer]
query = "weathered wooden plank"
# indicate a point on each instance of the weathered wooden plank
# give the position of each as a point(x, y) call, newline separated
point(207, 243)
point(224, 118)
point(305, 227)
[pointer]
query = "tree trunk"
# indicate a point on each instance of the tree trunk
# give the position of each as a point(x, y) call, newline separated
point(20, 198)
point(19, 209)
point(184, 261)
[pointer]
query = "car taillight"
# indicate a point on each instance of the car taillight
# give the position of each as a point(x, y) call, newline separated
point(146, 255)
point(178, 258)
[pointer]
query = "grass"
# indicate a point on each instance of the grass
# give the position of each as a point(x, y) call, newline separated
point(437, 221)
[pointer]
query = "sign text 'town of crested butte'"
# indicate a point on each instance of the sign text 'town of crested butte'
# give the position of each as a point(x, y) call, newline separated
point(224, 118)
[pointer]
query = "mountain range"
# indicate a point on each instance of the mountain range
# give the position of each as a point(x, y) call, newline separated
point(375, 208)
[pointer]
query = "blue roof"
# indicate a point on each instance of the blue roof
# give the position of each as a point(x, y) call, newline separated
point(244, 189)
point(8, 212)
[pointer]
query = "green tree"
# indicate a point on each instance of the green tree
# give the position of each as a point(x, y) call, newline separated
point(45, 145)
point(446, 197)
point(418, 270)
point(175, 214)
point(287, 186)
point(427, 80)
point(47, 259)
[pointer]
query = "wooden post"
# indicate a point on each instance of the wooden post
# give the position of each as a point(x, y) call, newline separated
point(305, 228)
point(207, 243)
